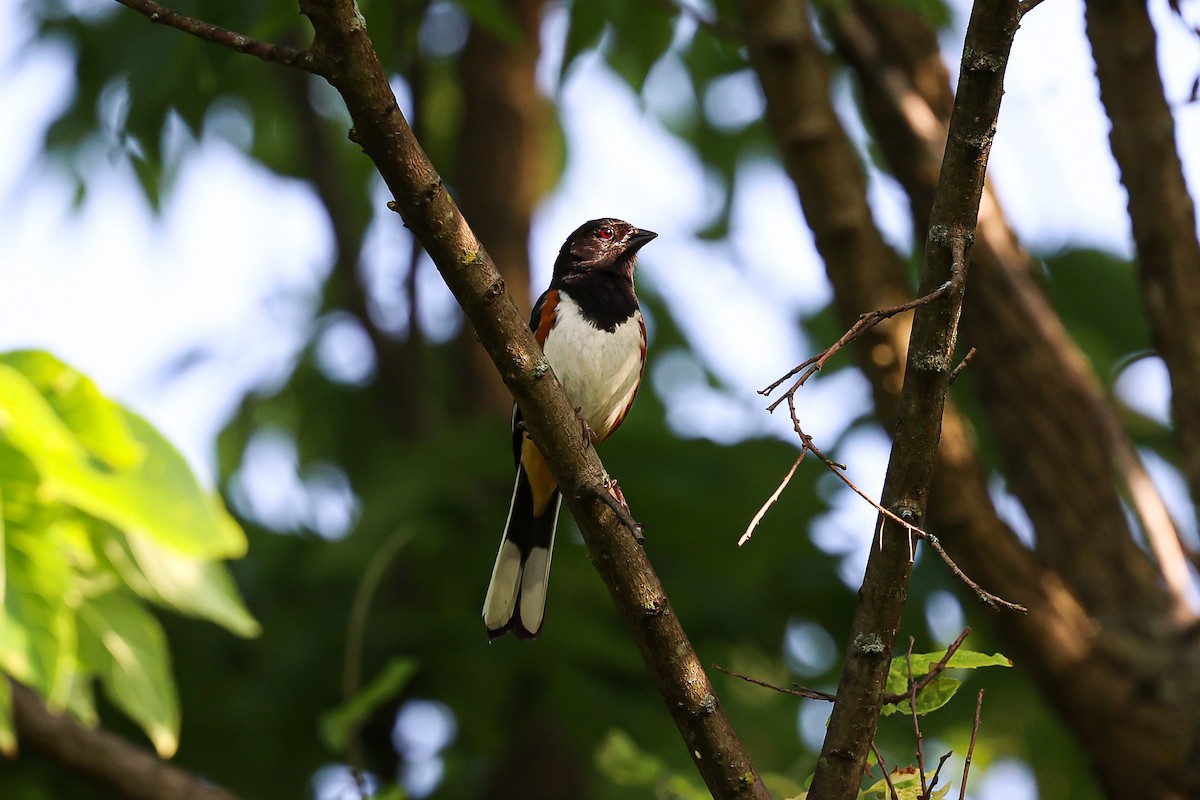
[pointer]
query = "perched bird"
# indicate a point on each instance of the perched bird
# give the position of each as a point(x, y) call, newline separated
point(591, 330)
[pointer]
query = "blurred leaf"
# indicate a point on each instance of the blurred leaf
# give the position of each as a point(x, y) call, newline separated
point(159, 497)
point(623, 762)
point(126, 646)
point(338, 724)
point(907, 781)
point(94, 419)
point(8, 730)
point(190, 586)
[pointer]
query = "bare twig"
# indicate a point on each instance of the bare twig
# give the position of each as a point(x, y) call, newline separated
point(865, 323)
point(913, 690)
point(962, 365)
point(937, 773)
point(276, 54)
point(1026, 6)
point(912, 704)
point(983, 594)
point(887, 776)
point(771, 500)
point(962, 789)
point(798, 691)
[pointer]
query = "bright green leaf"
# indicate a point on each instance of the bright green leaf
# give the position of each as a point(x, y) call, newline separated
point(159, 497)
point(337, 725)
point(94, 419)
point(196, 587)
point(8, 729)
point(933, 696)
point(126, 646)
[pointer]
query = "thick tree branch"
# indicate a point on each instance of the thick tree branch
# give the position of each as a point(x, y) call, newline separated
point(1045, 442)
point(104, 757)
point(347, 59)
point(895, 44)
point(1161, 210)
point(277, 54)
point(778, 36)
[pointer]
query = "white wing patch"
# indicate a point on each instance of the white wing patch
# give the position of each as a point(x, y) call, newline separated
point(599, 370)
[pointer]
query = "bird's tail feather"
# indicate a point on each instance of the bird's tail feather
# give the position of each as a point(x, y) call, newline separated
point(516, 596)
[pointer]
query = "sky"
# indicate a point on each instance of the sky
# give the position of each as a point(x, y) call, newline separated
point(179, 315)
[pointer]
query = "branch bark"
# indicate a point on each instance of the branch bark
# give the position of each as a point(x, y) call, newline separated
point(104, 757)
point(348, 61)
point(1163, 214)
point(1074, 659)
point(780, 41)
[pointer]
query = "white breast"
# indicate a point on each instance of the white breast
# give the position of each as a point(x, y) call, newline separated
point(599, 370)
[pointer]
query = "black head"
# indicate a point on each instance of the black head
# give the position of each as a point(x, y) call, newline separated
point(601, 245)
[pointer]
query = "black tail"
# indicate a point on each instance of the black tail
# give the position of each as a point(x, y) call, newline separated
point(516, 596)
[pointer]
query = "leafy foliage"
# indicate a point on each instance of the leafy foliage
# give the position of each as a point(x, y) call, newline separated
point(906, 671)
point(99, 514)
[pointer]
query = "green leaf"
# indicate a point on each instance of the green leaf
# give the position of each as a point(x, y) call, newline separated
point(933, 696)
point(337, 725)
point(898, 672)
point(38, 630)
point(159, 497)
point(8, 729)
point(196, 587)
point(94, 419)
point(126, 646)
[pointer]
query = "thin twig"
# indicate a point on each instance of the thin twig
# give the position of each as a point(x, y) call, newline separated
point(962, 365)
point(983, 594)
point(962, 789)
point(771, 500)
point(887, 776)
point(1025, 7)
point(816, 694)
point(799, 691)
point(934, 671)
point(933, 782)
point(912, 704)
point(865, 323)
point(276, 54)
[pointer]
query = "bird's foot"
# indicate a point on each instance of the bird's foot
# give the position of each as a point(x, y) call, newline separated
point(614, 489)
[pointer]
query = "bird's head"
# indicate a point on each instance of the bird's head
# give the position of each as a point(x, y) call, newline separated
point(601, 245)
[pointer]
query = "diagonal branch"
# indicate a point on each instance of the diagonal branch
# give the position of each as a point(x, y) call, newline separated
point(277, 54)
point(783, 32)
point(104, 757)
point(351, 65)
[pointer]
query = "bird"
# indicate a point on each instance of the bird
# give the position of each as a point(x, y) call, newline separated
point(590, 327)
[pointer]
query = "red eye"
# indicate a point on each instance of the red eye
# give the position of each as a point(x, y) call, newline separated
point(606, 233)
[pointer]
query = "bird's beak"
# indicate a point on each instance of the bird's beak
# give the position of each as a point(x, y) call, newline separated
point(639, 238)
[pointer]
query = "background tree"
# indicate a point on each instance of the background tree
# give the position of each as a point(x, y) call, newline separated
point(1111, 594)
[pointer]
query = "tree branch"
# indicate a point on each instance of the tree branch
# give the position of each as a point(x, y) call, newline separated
point(104, 757)
point(349, 62)
point(930, 361)
point(277, 54)
point(1163, 214)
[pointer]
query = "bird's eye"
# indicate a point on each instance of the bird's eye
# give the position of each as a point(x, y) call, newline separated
point(605, 233)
